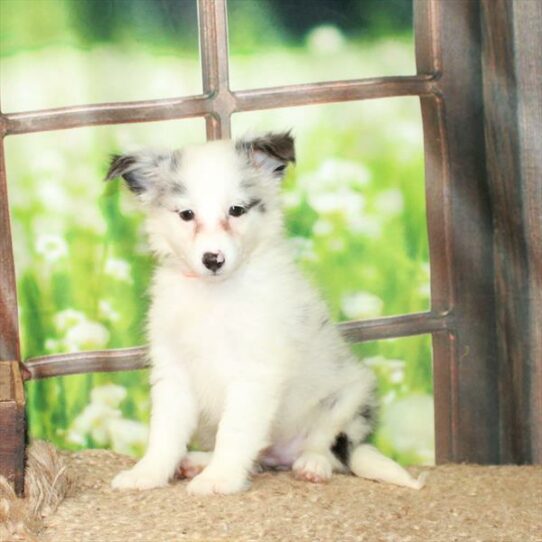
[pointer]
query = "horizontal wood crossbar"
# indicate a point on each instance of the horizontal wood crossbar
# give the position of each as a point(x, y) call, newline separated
point(395, 326)
point(121, 359)
point(222, 102)
point(137, 357)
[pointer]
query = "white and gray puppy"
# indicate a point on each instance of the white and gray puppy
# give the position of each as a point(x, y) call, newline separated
point(245, 361)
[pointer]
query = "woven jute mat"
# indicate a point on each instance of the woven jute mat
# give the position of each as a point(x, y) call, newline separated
point(459, 503)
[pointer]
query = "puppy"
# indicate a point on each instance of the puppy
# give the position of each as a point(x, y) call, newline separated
point(245, 361)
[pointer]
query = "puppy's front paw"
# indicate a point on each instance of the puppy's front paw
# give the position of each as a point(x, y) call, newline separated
point(193, 463)
point(312, 467)
point(211, 483)
point(142, 476)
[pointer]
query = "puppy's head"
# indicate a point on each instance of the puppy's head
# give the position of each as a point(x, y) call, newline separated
point(210, 206)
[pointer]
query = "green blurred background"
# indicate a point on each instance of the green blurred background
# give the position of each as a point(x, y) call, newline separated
point(354, 203)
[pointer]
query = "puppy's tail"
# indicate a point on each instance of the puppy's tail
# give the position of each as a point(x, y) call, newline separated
point(367, 462)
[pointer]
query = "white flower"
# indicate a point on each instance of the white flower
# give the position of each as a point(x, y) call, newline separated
point(410, 132)
point(335, 173)
point(68, 318)
point(334, 188)
point(52, 345)
point(80, 333)
point(388, 397)
point(375, 361)
point(408, 423)
point(303, 248)
point(107, 311)
point(425, 288)
point(325, 39)
point(53, 223)
point(52, 195)
point(344, 172)
point(322, 227)
point(337, 245)
point(89, 218)
point(50, 161)
point(127, 436)
point(394, 369)
point(92, 422)
point(361, 305)
point(86, 335)
point(119, 269)
point(109, 394)
point(324, 202)
point(342, 200)
point(291, 199)
point(365, 225)
point(51, 247)
point(102, 421)
point(390, 202)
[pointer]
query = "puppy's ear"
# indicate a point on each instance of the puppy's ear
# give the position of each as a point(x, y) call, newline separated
point(139, 170)
point(271, 152)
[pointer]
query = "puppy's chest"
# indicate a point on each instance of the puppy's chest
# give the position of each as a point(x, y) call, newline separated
point(216, 339)
point(218, 331)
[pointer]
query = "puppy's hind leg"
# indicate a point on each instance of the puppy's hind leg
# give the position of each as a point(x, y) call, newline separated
point(320, 454)
point(365, 460)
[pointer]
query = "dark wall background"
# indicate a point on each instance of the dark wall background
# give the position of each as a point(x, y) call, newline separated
point(253, 23)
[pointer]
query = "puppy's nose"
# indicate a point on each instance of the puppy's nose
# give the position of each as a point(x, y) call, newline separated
point(213, 260)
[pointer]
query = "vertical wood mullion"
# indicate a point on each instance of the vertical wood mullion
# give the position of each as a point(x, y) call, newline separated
point(437, 200)
point(513, 115)
point(529, 80)
point(12, 413)
point(9, 326)
point(473, 376)
point(213, 31)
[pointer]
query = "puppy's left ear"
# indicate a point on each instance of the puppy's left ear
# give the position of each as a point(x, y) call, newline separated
point(271, 152)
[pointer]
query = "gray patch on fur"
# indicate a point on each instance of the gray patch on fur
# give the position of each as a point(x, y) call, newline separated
point(248, 183)
point(175, 160)
point(178, 189)
point(342, 448)
point(272, 152)
point(150, 175)
point(255, 203)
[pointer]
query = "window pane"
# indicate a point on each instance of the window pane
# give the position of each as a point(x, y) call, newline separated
point(81, 258)
point(405, 427)
point(355, 202)
point(355, 212)
point(56, 53)
point(77, 411)
point(99, 410)
point(304, 41)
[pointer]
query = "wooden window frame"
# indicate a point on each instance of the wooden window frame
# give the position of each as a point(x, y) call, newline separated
point(486, 333)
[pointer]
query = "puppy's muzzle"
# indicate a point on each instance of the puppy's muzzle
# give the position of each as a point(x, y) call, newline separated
point(213, 261)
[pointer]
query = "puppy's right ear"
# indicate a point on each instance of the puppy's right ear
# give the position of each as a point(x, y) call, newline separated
point(271, 152)
point(140, 170)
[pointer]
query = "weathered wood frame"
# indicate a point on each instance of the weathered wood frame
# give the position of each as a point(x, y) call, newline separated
point(487, 345)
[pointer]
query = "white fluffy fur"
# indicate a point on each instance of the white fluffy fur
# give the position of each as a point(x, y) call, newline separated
point(244, 360)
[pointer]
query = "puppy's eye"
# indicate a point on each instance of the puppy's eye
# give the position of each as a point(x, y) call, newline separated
point(237, 210)
point(187, 215)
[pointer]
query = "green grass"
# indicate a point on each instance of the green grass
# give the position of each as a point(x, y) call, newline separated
point(354, 208)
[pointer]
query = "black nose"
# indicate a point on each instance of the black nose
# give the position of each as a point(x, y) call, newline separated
point(213, 260)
